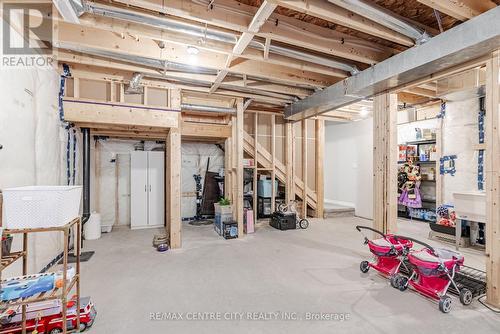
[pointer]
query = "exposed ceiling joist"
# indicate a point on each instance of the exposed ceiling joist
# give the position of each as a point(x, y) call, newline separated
point(230, 14)
point(466, 42)
point(143, 31)
point(265, 10)
point(460, 9)
point(330, 12)
point(83, 39)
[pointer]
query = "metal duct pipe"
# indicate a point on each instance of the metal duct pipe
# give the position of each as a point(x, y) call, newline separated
point(204, 32)
point(384, 17)
point(197, 107)
point(86, 175)
point(136, 80)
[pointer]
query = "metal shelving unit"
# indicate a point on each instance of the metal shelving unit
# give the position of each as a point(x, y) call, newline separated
point(426, 202)
point(60, 293)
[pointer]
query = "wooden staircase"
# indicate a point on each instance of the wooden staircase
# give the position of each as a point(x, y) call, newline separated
point(264, 158)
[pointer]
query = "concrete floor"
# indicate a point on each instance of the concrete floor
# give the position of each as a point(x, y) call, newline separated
point(300, 272)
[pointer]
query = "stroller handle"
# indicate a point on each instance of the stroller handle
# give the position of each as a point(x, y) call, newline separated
point(396, 237)
point(360, 227)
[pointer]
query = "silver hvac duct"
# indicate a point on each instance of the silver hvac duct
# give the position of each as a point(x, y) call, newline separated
point(385, 18)
point(173, 25)
point(197, 107)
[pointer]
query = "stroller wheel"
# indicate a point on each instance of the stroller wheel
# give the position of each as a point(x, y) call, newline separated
point(304, 223)
point(402, 283)
point(465, 296)
point(364, 266)
point(445, 304)
point(394, 281)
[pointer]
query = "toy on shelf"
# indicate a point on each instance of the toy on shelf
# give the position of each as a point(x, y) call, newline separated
point(30, 285)
point(446, 216)
point(47, 317)
point(408, 185)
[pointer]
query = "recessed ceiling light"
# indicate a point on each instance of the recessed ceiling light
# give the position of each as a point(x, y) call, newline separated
point(192, 50)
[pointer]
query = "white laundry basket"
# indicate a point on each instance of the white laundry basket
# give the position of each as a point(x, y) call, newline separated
point(40, 206)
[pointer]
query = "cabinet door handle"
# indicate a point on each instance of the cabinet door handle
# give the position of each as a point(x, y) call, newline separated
point(145, 189)
point(149, 188)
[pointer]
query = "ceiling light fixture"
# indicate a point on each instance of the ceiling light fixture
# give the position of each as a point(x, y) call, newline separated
point(192, 50)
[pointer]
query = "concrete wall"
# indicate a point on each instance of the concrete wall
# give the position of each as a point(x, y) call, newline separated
point(349, 165)
point(32, 140)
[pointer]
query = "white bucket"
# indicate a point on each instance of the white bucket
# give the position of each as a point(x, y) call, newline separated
point(92, 227)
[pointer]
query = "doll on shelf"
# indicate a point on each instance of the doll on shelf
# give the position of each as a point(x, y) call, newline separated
point(409, 184)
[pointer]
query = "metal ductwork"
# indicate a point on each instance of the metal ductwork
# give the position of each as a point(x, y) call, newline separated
point(197, 107)
point(384, 17)
point(181, 27)
point(162, 66)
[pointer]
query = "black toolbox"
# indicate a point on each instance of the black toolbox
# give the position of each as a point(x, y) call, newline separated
point(283, 220)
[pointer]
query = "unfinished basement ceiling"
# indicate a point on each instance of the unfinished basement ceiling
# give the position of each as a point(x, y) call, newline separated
point(287, 51)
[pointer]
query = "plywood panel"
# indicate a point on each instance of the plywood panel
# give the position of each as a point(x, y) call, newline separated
point(157, 97)
point(94, 89)
point(134, 98)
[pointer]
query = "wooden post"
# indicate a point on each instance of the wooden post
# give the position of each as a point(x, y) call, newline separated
point(304, 168)
point(239, 166)
point(289, 167)
point(174, 187)
point(385, 163)
point(273, 162)
point(439, 153)
point(492, 172)
point(255, 154)
point(228, 185)
point(173, 176)
point(320, 149)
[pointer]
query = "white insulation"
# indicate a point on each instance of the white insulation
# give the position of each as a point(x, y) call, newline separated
point(114, 161)
point(460, 133)
point(33, 144)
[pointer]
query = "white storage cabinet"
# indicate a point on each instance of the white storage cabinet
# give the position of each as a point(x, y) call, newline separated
point(147, 184)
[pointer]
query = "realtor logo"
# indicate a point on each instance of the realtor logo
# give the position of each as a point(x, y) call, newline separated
point(26, 33)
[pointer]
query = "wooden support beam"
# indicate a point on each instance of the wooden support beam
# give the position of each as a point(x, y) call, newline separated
point(332, 13)
point(320, 149)
point(173, 187)
point(205, 130)
point(228, 184)
point(289, 164)
point(385, 163)
point(273, 162)
point(304, 168)
point(255, 155)
point(460, 9)
point(98, 112)
point(265, 10)
point(239, 166)
point(492, 171)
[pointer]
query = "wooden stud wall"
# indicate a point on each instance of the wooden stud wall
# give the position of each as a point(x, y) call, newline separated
point(492, 171)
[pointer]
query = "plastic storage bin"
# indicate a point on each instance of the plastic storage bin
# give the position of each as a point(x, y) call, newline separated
point(264, 188)
point(40, 206)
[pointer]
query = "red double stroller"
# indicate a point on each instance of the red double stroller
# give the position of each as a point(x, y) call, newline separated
point(389, 253)
point(433, 271)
